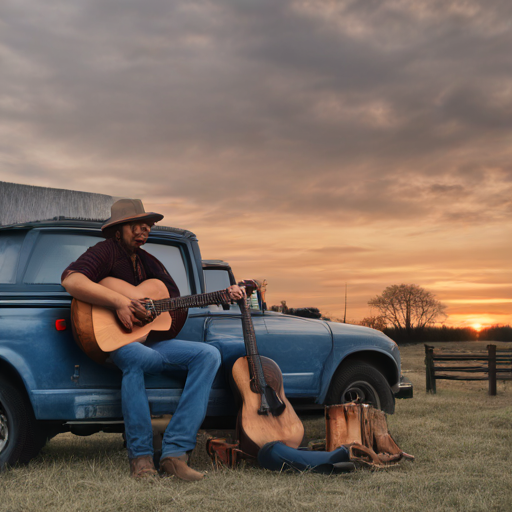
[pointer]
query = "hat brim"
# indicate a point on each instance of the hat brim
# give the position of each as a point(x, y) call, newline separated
point(150, 216)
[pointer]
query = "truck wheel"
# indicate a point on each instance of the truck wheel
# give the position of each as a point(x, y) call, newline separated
point(19, 440)
point(361, 383)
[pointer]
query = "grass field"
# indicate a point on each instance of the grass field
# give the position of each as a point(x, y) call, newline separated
point(461, 438)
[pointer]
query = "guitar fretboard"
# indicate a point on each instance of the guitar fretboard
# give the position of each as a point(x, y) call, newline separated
point(251, 347)
point(192, 301)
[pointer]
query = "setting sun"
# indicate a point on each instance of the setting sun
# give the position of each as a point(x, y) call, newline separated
point(477, 327)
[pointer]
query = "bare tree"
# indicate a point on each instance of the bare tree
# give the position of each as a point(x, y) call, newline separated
point(375, 322)
point(408, 307)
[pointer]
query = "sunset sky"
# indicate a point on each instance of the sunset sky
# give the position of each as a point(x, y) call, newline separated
point(312, 143)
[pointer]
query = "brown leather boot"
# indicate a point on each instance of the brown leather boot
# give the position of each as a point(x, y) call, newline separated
point(142, 467)
point(177, 466)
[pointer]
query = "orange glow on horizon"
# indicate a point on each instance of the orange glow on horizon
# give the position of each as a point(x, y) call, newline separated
point(308, 263)
point(477, 322)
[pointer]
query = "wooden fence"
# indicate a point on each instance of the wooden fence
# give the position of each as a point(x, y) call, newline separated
point(492, 365)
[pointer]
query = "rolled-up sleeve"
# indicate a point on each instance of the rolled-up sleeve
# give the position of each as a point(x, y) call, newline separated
point(96, 263)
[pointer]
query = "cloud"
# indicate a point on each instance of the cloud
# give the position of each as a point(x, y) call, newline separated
point(182, 88)
point(440, 189)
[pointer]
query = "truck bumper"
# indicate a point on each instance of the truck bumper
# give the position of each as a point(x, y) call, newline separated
point(404, 388)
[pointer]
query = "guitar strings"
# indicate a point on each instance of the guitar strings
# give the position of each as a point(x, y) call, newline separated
point(190, 301)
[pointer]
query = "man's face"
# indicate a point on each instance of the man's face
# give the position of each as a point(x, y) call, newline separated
point(135, 234)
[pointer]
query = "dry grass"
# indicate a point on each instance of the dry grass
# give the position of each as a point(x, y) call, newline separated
point(461, 439)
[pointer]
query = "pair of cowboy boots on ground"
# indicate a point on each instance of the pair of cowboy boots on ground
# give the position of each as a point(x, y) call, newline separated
point(144, 467)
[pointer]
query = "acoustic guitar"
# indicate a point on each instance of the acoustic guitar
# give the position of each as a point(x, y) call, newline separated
point(266, 414)
point(98, 331)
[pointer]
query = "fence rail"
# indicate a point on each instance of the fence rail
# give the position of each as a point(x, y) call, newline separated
point(492, 365)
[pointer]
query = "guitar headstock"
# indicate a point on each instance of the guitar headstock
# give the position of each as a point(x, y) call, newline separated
point(250, 285)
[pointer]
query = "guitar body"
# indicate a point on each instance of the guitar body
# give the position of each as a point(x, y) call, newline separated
point(97, 329)
point(255, 430)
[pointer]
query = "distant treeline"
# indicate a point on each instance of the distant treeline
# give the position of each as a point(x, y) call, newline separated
point(496, 333)
point(303, 312)
point(416, 334)
point(443, 333)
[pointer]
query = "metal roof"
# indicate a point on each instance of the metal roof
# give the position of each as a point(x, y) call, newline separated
point(25, 203)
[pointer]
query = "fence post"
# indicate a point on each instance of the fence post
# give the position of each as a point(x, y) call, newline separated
point(492, 369)
point(430, 377)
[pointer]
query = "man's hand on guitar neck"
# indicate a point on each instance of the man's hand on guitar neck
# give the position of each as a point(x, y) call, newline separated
point(237, 292)
point(249, 285)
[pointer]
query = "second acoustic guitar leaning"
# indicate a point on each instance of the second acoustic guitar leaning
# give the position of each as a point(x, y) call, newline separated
point(265, 414)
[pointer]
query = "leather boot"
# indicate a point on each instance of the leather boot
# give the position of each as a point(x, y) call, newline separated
point(177, 466)
point(142, 467)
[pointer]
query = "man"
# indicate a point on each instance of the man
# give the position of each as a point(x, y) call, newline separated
point(121, 256)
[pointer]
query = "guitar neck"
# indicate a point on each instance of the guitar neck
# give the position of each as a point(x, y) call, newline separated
point(251, 348)
point(192, 301)
point(270, 400)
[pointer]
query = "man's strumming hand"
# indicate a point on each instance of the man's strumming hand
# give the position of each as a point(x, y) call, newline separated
point(129, 314)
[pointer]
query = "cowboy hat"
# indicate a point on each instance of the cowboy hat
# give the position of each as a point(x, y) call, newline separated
point(129, 210)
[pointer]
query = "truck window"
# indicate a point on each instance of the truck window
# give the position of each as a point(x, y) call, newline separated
point(10, 245)
point(172, 259)
point(53, 253)
point(216, 280)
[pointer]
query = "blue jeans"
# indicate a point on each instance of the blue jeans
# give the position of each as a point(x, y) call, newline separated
point(202, 362)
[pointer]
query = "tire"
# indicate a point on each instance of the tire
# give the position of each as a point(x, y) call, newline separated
point(362, 383)
point(19, 439)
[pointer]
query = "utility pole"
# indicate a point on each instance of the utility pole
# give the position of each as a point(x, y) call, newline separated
point(345, 315)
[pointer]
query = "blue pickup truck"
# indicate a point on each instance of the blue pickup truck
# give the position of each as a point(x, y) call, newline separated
point(48, 386)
